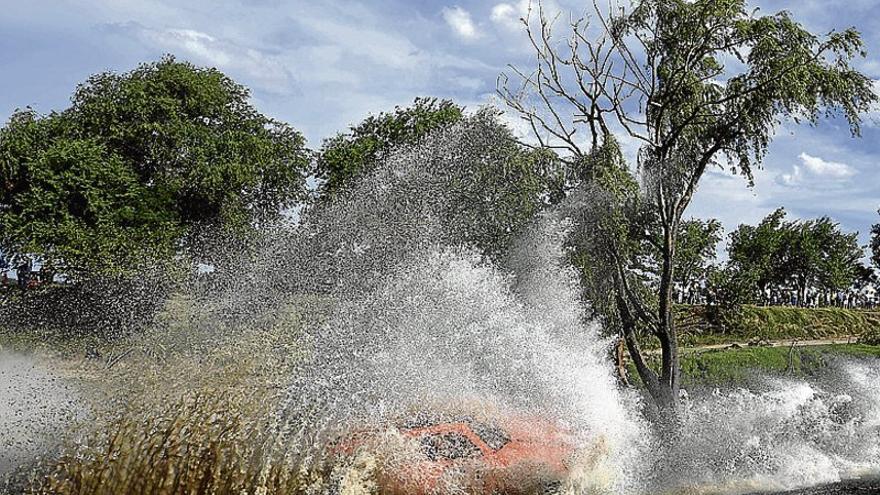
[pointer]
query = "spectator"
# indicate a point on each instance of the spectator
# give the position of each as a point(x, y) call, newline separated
point(23, 274)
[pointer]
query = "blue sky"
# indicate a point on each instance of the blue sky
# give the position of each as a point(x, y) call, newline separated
point(323, 65)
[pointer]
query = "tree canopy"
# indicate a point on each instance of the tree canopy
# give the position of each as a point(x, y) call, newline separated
point(808, 254)
point(349, 155)
point(697, 242)
point(136, 162)
point(756, 251)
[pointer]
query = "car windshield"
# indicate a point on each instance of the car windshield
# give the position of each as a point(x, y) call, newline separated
point(494, 436)
point(449, 445)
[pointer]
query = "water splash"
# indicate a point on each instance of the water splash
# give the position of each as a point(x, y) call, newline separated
point(36, 407)
point(380, 306)
point(792, 434)
point(421, 318)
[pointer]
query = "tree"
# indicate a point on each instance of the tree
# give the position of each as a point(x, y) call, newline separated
point(349, 155)
point(800, 254)
point(503, 183)
point(756, 252)
point(865, 276)
point(816, 254)
point(468, 185)
point(698, 84)
point(875, 244)
point(697, 242)
point(136, 163)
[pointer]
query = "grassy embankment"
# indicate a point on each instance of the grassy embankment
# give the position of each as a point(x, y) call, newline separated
point(757, 324)
point(749, 332)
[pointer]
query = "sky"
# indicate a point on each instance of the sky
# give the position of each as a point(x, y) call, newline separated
point(323, 65)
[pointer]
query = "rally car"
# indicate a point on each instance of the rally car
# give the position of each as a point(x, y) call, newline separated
point(435, 454)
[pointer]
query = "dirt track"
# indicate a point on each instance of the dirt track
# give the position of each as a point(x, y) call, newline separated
point(852, 339)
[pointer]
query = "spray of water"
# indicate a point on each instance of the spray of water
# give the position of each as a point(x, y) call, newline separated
point(419, 319)
point(379, 307)
point(788, 435)
point(36, 407)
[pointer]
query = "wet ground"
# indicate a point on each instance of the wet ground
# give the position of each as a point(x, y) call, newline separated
point(855, 487)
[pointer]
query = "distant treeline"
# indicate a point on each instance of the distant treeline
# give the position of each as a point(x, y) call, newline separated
point(782, 262)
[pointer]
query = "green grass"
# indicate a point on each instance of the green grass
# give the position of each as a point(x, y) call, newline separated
point(759, 323)
point(740, 366)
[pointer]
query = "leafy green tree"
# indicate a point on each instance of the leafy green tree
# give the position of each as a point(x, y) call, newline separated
point(697, 243)
point(348, 155)
point(82, 205)
point(489, 186)
point(610, 218)
point(865, 276)
point(756, 252)
point(659, 71)
point(494, 186)
point(800, 254)
point(137, 162)
point(816, 254)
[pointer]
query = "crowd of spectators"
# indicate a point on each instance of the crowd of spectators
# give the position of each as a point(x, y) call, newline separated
point(854, 297)
point(26, 277)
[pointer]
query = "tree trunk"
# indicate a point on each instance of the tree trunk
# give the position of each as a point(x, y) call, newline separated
point(669, 370)
point(646, 374)
point(664, 389)
point(620, 362)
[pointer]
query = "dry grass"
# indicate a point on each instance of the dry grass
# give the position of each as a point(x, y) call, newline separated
point(202, 445)
point(191, 408)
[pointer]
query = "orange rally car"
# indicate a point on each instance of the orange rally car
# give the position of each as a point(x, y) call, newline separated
point(520, 455)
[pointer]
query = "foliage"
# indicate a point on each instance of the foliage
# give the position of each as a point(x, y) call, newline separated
point(136, 161)
point(470, 177)
point(864, 276)
point(609, 231)
point(801, 254)
point(756, 251)
point(823, 256)
point(695, 249)
point(495, 186)
point(659, 70)
point(349, 155)
point(728, 291)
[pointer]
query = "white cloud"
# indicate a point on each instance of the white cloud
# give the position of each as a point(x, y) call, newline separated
point(822, 168)
point(379, 46)
point(793, 178)
point(264, 70)
point(469, 83)
point(510, 15)
point(506, 15)
point(461, 23)
point(813, 167)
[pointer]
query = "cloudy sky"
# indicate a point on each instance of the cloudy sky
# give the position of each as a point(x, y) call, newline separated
point(325, 64)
